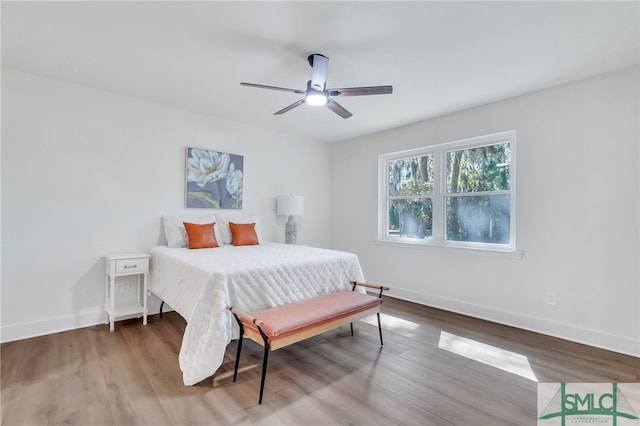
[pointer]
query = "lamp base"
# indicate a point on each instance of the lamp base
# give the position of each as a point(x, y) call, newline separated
point(291, 231)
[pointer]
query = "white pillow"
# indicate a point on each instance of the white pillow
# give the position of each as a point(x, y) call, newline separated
point(225, 231)
point(176, 233)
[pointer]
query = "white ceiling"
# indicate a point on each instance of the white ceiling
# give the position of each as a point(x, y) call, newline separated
point(440, 57)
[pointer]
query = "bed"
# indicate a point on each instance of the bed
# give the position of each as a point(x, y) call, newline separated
point(199, 284)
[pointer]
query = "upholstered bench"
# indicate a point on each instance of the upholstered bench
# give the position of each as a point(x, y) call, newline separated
point(275, 328)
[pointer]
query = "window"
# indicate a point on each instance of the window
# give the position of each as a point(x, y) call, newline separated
point(410, 196)
point(454, 194)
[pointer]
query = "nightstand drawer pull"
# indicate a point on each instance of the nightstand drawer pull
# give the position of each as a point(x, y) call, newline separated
point(130, 266)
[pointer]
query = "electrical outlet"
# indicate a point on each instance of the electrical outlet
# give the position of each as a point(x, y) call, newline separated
point(551, 298)
point(125, 287)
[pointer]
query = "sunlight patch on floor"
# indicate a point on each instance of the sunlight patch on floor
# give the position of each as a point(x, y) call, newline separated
point(389, 322)
point(508, 361)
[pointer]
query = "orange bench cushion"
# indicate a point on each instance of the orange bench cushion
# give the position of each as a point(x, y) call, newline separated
point(282, 321)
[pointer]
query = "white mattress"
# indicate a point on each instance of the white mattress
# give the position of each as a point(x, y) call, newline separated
point(199, 284)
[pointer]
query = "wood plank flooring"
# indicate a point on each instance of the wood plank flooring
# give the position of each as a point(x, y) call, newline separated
point(131, 377)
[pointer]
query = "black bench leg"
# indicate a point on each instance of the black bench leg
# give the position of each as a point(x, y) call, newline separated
point(240, 339)
point(264, 370)
point(351, 328)
point(265, 359)
point(161, 305)
point(380, 329)
point(235, 369)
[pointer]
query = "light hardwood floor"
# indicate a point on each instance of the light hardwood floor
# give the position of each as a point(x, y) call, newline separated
point(131, 377)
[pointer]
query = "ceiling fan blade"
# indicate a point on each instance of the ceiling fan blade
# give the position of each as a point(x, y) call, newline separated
point(262, 86)
point(290, 107)
point(338, 109)
point(318, 76)
point(360, 91)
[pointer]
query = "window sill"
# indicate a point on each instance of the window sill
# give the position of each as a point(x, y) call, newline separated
point(513, 254)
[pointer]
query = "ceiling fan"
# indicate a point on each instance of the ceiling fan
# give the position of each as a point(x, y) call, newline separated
point(317, 92)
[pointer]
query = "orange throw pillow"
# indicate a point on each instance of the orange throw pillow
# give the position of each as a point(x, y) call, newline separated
point(243, 234)
point(201, 236)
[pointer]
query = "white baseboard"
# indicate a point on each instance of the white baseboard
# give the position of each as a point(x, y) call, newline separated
point(569, 332)
point(14, 332)
point(49, 326)
point(564, 331)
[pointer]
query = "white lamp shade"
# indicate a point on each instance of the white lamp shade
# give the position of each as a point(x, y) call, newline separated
point(290, 205)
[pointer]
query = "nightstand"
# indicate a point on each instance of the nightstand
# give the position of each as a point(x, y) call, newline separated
point(122, 265)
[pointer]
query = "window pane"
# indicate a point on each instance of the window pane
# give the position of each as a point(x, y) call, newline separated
point(482, 219)
point(410, 176)
point(410, 218)
point(484, 168)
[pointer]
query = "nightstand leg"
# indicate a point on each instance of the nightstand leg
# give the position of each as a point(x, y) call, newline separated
point(106, 301)
point(138, 289)
point(112, 305)
point(144, 299)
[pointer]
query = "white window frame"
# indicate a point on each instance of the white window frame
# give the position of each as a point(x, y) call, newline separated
point(439, 194)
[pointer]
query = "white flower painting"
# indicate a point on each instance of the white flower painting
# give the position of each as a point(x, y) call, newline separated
point(214, 179)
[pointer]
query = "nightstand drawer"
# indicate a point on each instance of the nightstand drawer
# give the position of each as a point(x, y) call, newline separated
point(132, 266)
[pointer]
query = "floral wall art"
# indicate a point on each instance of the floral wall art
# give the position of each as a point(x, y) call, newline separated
point(214, 179)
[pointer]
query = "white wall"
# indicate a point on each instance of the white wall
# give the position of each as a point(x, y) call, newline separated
point(577, 215)
point(87, 173)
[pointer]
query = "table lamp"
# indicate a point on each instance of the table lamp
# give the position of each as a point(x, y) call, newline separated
point(290, 205)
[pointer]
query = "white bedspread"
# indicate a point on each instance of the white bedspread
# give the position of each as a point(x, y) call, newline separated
point(199, 284)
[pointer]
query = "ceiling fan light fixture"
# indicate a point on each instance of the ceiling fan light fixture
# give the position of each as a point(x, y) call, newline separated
point(316, 98)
